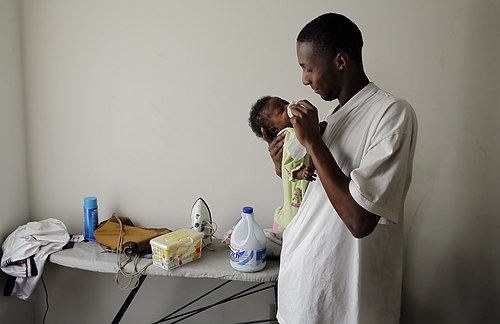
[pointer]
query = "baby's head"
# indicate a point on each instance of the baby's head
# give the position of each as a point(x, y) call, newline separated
point(270, 113)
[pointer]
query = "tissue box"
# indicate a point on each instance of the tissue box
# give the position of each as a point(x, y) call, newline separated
point(176, 248)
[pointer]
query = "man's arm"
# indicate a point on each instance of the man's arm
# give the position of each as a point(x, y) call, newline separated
point(358, 220)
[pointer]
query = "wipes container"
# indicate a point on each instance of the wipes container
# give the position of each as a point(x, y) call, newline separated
point(176, 248)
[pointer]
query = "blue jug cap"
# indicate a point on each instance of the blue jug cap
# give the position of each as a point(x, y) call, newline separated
point(90, 202)
point(247, 210)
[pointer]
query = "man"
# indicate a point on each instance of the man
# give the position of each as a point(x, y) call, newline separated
point(341, 260)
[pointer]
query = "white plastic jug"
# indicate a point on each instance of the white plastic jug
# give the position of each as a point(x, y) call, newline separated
point(248, 244)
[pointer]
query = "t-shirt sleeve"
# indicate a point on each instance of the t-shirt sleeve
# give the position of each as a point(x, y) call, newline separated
point(381, 181)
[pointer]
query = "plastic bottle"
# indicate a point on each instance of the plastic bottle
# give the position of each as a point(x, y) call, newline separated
point(248, 244)
point(90, 217)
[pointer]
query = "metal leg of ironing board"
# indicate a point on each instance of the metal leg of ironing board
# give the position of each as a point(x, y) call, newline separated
point(225, 300)
point(183, 316)
point(270, 320)
point(128, 301)
point(169, 316)
point(276, 293)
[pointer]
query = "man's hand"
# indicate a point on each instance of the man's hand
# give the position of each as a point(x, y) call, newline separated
point(275, 149)
point(305, 123)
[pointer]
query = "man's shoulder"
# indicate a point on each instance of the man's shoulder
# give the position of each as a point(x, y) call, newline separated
point(385, 98)
point(391, 114)
point(387, 105)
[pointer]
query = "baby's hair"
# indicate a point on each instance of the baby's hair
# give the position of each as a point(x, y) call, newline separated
point(257, 118)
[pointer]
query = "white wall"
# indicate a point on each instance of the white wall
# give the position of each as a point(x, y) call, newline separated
point(14, 210)
point(145, 105)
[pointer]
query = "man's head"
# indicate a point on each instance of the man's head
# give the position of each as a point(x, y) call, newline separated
point(269, 113)
point(327, 47)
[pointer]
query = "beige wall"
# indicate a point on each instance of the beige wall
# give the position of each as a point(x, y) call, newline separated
point(145, 105)
point(13, 181)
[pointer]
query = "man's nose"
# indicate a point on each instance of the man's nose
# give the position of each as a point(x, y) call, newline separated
point(305, 79)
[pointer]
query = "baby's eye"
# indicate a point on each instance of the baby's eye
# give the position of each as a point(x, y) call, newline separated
point(309, 70)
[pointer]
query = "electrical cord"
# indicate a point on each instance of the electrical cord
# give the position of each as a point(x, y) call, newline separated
point(46, 300)
point(210, 224)
point(132, 276)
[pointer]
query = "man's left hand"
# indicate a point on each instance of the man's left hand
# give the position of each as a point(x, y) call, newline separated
point(305, 123)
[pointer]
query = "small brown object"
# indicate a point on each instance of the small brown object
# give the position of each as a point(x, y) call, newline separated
point(136, 238)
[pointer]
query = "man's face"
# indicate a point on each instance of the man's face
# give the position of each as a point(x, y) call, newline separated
point(319, 73)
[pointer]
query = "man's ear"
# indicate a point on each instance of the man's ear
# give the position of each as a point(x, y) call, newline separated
point(341, 61)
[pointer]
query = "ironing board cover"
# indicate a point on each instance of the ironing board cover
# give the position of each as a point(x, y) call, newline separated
point(212, 264)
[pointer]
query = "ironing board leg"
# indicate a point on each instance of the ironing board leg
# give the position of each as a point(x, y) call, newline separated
point(276, 293)
point(128, 301)
point(241, 294)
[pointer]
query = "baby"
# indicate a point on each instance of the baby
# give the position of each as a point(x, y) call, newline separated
point(297, 170)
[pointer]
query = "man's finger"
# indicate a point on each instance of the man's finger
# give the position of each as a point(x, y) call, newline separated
point(280, 151)
point(298, 110)
point(265, 136)
point(279, 140)
point(305, 103)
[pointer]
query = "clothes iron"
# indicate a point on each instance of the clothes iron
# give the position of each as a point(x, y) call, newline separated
point(201, 219)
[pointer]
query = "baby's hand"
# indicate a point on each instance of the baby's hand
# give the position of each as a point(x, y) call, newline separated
point(305, 174)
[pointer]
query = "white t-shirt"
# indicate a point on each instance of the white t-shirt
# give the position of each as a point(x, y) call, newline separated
point(326, 275)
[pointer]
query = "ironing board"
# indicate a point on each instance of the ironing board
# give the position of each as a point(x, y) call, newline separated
point(214, 263)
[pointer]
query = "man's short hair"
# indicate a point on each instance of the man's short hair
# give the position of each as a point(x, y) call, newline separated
point(332, 33)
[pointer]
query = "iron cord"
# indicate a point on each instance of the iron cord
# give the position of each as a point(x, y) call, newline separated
point(133, 277)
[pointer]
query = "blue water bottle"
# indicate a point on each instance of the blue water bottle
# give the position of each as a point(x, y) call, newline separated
point(90, 217)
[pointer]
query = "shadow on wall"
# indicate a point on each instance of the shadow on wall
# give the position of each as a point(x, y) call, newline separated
point(474, 270)
point(464, 273)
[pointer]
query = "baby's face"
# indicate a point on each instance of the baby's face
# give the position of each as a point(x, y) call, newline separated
point(276, 110)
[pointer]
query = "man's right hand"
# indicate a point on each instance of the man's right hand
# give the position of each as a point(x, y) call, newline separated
point(275, 149)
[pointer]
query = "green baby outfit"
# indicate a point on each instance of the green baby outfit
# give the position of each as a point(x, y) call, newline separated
point(294, 158)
